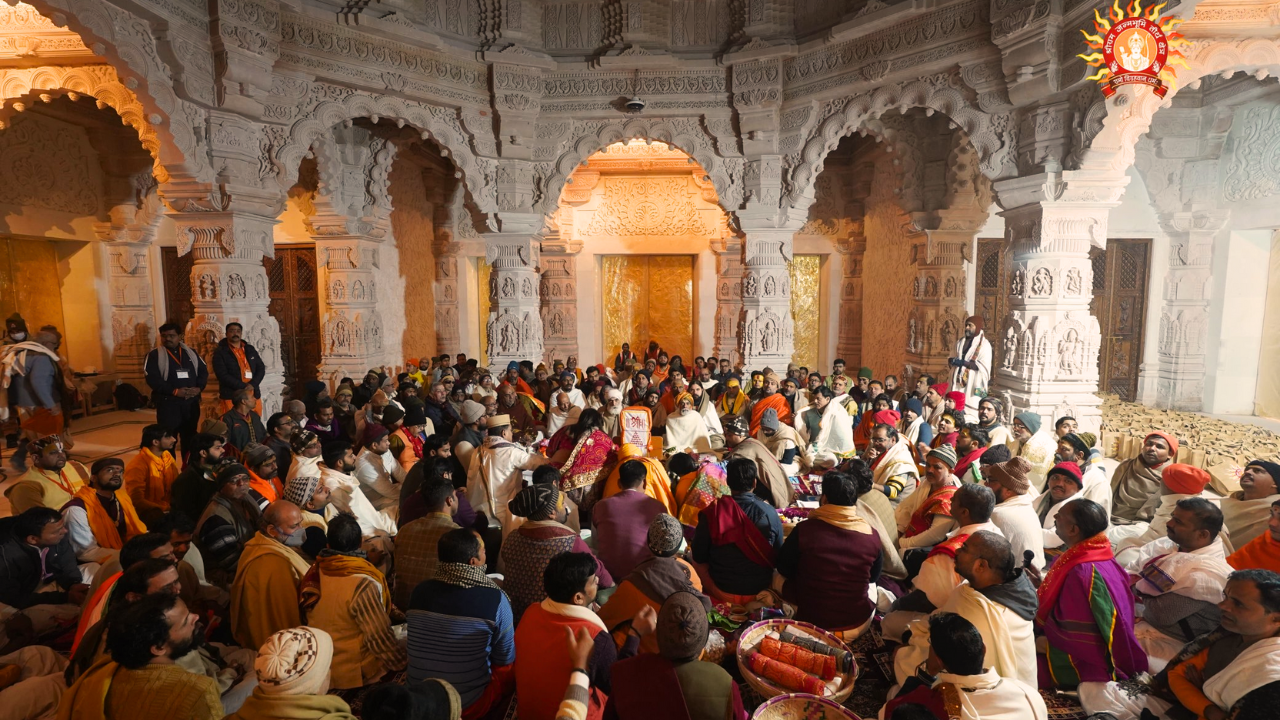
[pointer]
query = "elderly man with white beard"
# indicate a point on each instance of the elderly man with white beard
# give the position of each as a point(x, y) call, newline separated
point(612, 413)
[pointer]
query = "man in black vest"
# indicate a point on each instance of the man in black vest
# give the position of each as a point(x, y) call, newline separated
point(177, 376)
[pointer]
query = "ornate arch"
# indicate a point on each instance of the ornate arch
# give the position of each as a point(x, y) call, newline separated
point(27, 85)
point(1129, 111)
point(128, 45)
point(438, 123)
point(685, 134)
point(942, 93)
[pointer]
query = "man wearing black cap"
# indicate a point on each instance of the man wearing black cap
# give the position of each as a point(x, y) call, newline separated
point(100, 517)
point(229, 521)
point(1246, 511)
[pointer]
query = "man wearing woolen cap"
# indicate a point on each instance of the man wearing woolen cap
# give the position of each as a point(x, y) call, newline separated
point(293, 679)
point(1034, 443)
point(1014, 514)
point(1065, 483)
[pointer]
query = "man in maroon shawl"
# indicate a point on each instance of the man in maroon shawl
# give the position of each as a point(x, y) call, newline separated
point(651, 686)
point(738, 538)
point(1086, 609)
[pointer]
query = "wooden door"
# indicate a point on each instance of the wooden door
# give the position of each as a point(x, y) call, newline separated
point(992, 293)
point(1120, 303)
point(295, 304)
point(177, 285)
point(648, 297)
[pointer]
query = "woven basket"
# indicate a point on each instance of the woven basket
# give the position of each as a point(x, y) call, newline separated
point(802, 706)
point(751, 637)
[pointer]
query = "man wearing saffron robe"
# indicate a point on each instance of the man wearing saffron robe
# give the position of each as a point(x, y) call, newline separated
point(1086, 610)
point(1135, 486)
point(770, 399)
point(1263, 552)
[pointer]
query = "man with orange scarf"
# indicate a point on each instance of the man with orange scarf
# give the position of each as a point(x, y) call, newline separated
point(100, 517)
point(1262, 552)
point(770, 398)
point(150, 474)
point(657, 484)
point(1086, 610)
point(346, 596)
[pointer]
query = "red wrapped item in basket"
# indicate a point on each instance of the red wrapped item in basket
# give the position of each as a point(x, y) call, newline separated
point(785, 675)
point(824, 666)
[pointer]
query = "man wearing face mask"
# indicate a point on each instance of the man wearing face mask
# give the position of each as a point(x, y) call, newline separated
point(264, 596)
point(35, 389)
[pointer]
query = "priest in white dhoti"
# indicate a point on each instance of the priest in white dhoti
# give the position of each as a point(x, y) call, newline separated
point(964, 686)
point(1179, 581)
point(561, 412)
point(686, 428)
point(496, 474)
point(1064, 486)
point(1035, 444)
point(1000, 601)
point(1015, 512)
point(1247, 510)
point(971, 366)
point(1178, 482)
point(826, 431)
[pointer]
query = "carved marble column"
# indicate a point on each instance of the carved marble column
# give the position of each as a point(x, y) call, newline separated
point(514, 327)
point(228, 237)
point(1184, 319)
point(351, 219)
point(852, 250)
point(767, 330)
point(558, 290)
point(937, 314)
point(133, 325)
point(1051, 341)
point(728, 252)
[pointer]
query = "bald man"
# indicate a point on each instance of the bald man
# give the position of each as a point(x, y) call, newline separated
point(264, 596)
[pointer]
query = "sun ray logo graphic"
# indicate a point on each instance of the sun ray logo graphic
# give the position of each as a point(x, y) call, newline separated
point(1135, 46)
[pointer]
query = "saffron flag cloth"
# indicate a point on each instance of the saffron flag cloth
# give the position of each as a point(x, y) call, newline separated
point(1263, 553)
point(824, 666)
point(789, 677)
point(777, 402)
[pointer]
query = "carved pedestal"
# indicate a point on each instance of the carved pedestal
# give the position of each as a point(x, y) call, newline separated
point(559, 294)
point(1184, 319)
point(938, 313)
point(767, 329)
point(133, 326)
point(728, 297)
point(228, 283)
point(351, 336)
point(1051, 342)
point(514, 327)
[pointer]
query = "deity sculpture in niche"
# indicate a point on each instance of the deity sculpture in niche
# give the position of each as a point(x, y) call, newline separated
point(208, 289)
point(1070, 353)
point(526, 288)
point(1042, 283)
point(769, 337)
point(259, 288)
point(235, 287)
point(337, 291)
point(951, 287)
point(557, 324)
point(448, 292)
point(1010, 349)
point(948, 334)
point(508, 287)
point(749, 286)
point(915, 288)
point(930, 287)
point(770, 286)
point(1016, 281)
point(357, 291)
point(266, 348)
point(911, 335)
point(1075, 281)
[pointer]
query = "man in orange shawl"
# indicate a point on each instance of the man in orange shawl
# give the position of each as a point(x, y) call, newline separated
point(657, 485)
point(1262, 552)
point(770, 398)
point(150, 474)
point(100, 516)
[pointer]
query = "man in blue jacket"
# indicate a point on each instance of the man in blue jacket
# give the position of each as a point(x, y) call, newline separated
point(237, 365)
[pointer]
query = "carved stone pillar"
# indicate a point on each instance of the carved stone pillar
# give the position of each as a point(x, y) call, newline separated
point(728, 253)
point(351, 219)
point(1184, 319)
point(852, 249)
point(1051, 341)
point(228, 237)
point(133, 326)
point(767, 330)
point(558, 290)
point(937, 316)
point(514, 328)
point(448, 338)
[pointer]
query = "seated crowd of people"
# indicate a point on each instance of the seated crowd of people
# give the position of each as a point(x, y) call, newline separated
point(449, 544)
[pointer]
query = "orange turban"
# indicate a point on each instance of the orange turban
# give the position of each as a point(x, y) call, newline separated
point(1185, 479)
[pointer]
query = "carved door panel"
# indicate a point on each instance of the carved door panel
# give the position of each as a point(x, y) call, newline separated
point(295, 304)
point(1119, 302)
point(991, 297)
point(177, 285)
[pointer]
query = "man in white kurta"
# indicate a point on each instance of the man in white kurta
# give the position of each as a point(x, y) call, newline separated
point(346, 495)
point(496, 474)
point(1014, 513)
point(1035, 444)
point(380, 473)
point(971, 367)
point(998, 598)
point(826, 431)
point(1178, 482)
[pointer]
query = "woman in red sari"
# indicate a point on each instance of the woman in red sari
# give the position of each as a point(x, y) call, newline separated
point(584, 455)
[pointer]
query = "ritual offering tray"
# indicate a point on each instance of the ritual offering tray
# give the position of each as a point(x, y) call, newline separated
point(785, 657)
point(802, 706)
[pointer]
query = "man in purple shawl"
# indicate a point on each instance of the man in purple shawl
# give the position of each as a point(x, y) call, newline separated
point(1086, 609)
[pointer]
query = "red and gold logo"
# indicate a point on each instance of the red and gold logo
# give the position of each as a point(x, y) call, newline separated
point(1133, 46)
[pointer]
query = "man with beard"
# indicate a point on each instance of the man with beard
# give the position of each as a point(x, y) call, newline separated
point(782, 440)
point(773, 486)
point(265, 483)
point(568, 381)
point(280, 429)
point(637, 388)
point(1000, 601)
point(237, 366)
point(769, 399)
point(264, 596)
point(971, 367)
point(176, 376)
point(226, 524)
point(672, 389)
point(612, 413)
point(657, 413)
point(445, 369)
point(100, 517)
point(623, 358)
point(338, 463)
point(50, 482)
point(141, 679)
point(1033, 444)
point(706, 380)
point(1015, 513)
point(971, 442)
point(543, 386)
point(195, 485)
point(512, 377)
point(796, 400)
point(244, 424)
point(989, 409)
point(364, 393)
point(438, 411)
point(525, 418)
point(1136, 483)
point(344, 412)
point(662, 368)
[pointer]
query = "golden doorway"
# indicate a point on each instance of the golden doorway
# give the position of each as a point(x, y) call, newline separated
point(648, 297)
point(806, 308)
point(29, 283)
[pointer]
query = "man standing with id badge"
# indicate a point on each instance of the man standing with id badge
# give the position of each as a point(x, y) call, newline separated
point(177, 376)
